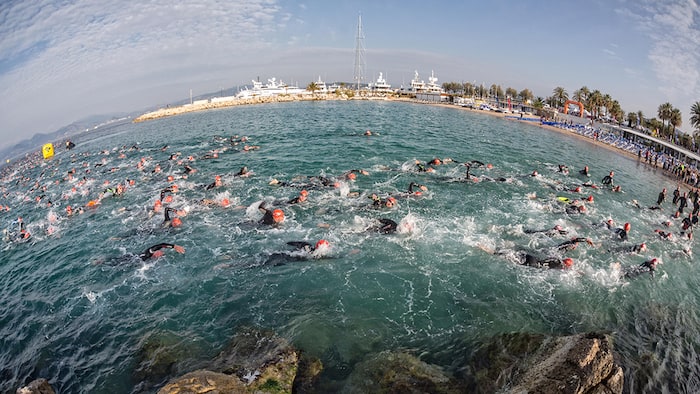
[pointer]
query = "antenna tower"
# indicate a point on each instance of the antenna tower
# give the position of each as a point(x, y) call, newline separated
point(359, 54)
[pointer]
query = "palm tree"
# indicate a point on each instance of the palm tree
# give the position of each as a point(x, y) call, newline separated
point(525, 95)
point(664, 113)
point(640, 118)
point(581, 95)
point(594, 102)
point(676, 119)
point(631, 119)
point(538, 103)
point(560, 96)
point(312, 87)
point(695, 116)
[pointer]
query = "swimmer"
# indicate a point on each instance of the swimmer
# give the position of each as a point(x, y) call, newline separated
point(300, 198)
point(156, 252)
point(303, 251)
point(244, 172)
point(676, 195)
point(563, 169)
point(412, 185)
point(527, 259)
point(386, 226)
point(420, 167)
point(549, 231)
point(368, 133)
point(661, 198)
point(638, 248)
point(172, 222)
point(648, 266)
point(573, 243)
point(622, 233)
point(584, 171)
point(608, 179)
point(378, 202)
point(663, 234)
point(271, 217)
point(573, 209)
point(217, 183)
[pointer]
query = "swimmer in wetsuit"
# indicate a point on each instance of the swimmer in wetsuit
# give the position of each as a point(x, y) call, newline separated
point(524, 258)
point(662, 197)
point(271, 217)
point(155, 250)
point(549, 231)
point(386, 226)
point(300, 198)
point(622, 233)
point(303, 251)
point(648, 266)
point(573, 243)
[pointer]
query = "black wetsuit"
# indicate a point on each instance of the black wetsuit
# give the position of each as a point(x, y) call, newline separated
point(534, 261)
point(682, 203)
point(387, 226)
point(647, 266)
point(548, 231)
point(584, 172)
point(662, 197)
point(412, 185)
point(303, 252)
point(676, 196)
point(607, 180)
point(621, 233)
point(570, 244)
point(148, 253)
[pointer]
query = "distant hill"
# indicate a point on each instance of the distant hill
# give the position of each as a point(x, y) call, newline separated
point(62, 134)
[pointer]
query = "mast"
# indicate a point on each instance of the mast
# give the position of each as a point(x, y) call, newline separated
point(359, 54)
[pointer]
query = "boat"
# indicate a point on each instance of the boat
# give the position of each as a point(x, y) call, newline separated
point(272, 88)
point(380, 86)
point(321, 87)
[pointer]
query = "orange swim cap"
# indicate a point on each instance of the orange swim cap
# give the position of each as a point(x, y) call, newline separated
point(322, 242)
point(168, 199)
point(352, 176)
point(176, 222)
point(170, 178)
point(173, 188)
point(304, 193)
point(590, 199)
point(568, 262)
point(225, 202)
point(278, 215)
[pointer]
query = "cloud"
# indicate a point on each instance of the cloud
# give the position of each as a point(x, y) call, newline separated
point(675, 40)
point(609, 52)
point(62, 58)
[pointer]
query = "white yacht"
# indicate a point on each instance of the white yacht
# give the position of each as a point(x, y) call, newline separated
point(380, 86)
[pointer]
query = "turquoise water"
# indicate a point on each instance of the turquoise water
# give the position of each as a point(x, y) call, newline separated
point(429, 288)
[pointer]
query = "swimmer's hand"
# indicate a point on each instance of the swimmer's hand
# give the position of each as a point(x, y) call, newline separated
point(179, 249)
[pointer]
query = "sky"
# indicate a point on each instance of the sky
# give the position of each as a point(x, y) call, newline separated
point(64, 60)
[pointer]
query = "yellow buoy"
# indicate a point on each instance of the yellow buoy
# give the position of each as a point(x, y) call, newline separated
point(47, 150)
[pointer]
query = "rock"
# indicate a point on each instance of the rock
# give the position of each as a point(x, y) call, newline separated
point(522, 363)
point(204, 382)
point(399, 372)
point(257, 361)
point(307, 374)
point(38, 386)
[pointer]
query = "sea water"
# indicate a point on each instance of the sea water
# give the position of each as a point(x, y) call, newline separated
point(76, 311)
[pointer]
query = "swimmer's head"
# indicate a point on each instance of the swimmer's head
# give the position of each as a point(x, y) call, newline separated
point(304, 193)
point(642, 247)
point(173, 188)
point(627, 226)
point(590, 199)
point(390, 202)
point(171, 178)
point(582, 208)
point(176, 222)
point(225, 202)
point(157, 254)
point(168, 199)
point(489, 166)
point(352, 176)
point(654, 261)
point(578, 189)
point(322, 243)
point(568, 262)
point(278, 215)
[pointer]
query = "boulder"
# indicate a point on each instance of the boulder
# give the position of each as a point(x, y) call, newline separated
point(38, 386)
point(202, 381)
point(399, 372)
point(533, 363)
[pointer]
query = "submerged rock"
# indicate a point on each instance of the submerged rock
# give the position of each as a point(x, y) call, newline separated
point(532, 363)
point(399, 372)
point(38, 386)
point(257, 361)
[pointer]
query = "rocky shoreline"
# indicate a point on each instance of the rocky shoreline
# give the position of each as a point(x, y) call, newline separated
point(259, 361)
